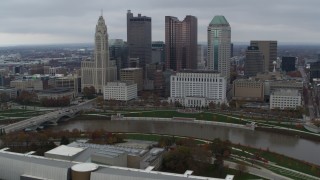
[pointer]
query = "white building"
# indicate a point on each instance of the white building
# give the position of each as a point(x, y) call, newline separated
point(219, 46)
point(100, 71)
point(285, 98)
point(197, 88)
point(121, 91)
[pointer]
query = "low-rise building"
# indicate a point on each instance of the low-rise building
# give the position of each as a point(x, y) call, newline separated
point(24, 84)
point(121, 91)
point(285, 99)
point(11, 93)
point(248, 90)
point(133, 74)
point(22, 166)
point(56, 93)
point(197, 88)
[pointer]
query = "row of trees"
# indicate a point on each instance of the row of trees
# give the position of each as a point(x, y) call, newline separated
point(187, 155)
point(27, 97)
point(55, 102)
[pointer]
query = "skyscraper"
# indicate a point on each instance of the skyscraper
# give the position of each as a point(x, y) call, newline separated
point(100, 71)
point(288, 64)
point(269, 51)
point(254, 61)
point(181, 43)
point(118, 51)
point(219, 45)
point(139, 38)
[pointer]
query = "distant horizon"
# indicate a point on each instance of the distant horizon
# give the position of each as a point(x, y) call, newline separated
point(202, 43)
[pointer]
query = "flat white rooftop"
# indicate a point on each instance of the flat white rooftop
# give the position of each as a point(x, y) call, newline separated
point(65, 150)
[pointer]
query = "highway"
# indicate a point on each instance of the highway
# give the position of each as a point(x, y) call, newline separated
point(51, 116)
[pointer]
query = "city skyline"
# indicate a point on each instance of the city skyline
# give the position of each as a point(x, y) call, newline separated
point(54, 22)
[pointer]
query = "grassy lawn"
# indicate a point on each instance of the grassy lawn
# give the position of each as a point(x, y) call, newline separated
point(281, 160)
point(209, 171)
point(198, 116)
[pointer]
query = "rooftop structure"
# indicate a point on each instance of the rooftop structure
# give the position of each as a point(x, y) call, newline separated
point(17, 166)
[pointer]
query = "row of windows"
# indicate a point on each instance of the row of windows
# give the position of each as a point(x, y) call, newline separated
point(197, 80)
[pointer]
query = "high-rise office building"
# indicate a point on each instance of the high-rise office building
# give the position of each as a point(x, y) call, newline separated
point(118, 51)
point(158, 52)
point(139, 38)
point(254, 61)
point(269, 51)
point(100, 71)
point(288, 64)
point(181, 43)
point(219, 45)
point(132, 74)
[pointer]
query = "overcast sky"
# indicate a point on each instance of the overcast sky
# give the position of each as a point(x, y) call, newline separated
point(73, 21)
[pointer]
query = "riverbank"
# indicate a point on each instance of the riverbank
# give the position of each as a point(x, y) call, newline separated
point(289, 132)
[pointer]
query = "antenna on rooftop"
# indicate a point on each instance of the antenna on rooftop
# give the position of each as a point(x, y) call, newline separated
point(101, 12)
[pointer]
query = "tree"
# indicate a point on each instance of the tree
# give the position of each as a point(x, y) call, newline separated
point(100, 101)
point(89, 92)
point(64, 140)
point(4, 97)
point(223, 106)
point(27, 97)
point(178, 160)
point(212, 105)
point(220, 150)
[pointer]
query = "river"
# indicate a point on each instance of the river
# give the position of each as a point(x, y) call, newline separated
point(295, 147)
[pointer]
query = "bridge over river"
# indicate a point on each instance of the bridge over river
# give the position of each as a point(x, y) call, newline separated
point(51, 117)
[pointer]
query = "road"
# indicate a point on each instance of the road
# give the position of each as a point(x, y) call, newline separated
point(311, 104)
point(51, 116)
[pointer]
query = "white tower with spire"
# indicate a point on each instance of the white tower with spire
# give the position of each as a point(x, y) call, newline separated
point(274, 65)
point(100, 71)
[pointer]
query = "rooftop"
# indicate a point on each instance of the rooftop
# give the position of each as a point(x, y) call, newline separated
point(286, 92)
point(198, 71)
point(219, 20)
point(130, 69)
point(20, 160)
point(65, 150)
point(84, 167)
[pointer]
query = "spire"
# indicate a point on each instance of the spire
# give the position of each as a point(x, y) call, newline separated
point(102, 12)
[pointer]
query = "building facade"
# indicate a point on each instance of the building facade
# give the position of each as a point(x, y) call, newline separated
point(181, 43)
point(197, 88)
point(100, 71)
point(219, 46)
point(133, 74)
point(118, 52)
point(139, 38)
point(288, 64)
point(285, 99)
point(158, 52)
point(254, 62)
point(248, 90)
point(120, 91)
point(269, 51)
point(24, 84)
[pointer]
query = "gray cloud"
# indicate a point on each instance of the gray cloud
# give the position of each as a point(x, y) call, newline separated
point(21, 22)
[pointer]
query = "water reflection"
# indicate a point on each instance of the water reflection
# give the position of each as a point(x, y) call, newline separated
point(291, 146)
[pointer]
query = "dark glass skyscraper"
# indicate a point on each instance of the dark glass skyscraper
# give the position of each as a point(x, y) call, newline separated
point(181, 43)
point(254, 61)
point(139, 38)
